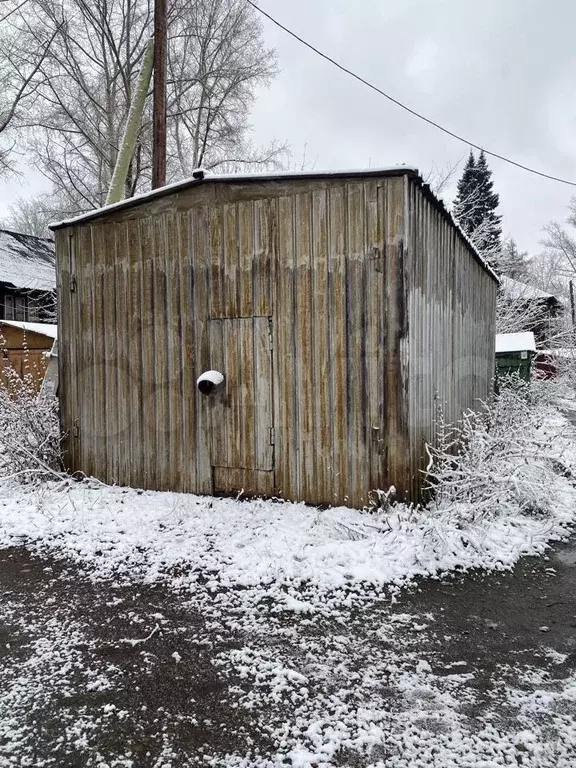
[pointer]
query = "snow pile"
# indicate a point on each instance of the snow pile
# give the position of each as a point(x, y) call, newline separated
point(149, 535)
point(227, 543)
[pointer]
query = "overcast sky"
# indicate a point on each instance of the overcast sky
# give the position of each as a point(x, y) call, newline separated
point(501, 72)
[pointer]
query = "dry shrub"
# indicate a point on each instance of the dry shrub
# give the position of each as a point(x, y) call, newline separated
point(504, 458)
point(29, 429)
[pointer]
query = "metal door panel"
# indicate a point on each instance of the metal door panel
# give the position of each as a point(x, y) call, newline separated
point(241, 415)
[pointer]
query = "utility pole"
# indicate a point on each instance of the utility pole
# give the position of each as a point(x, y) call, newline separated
point(159, 118)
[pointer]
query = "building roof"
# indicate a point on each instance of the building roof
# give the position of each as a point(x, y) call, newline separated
point(206, 176)
point(203, 177)
point(515, 342)
point(27, 262)
point(45, 329)
point(517, 290)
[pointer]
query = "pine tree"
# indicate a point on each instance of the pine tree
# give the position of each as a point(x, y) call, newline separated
point(464, 204)
point(475, 209)
point(513, 262)
point(489, 201)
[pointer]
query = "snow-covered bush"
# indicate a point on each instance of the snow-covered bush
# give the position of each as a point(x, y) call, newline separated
point(29, 429)
point(564, 361)
point(502, 458)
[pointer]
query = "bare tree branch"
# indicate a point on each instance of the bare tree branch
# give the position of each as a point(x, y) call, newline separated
point(73, 128)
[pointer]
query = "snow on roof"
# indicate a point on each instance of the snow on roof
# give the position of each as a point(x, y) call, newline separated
point(27, 261)
point(231, 177)
point(517, 290)
point(46, 329)
point(515, 342)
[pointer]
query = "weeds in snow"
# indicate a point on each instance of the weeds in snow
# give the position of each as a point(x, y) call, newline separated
point(29, 429)
point(499, 459)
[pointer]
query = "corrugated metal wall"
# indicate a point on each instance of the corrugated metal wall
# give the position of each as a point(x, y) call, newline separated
point(308, 279)
point(336, 249)
point(139, 327)
point(451, 320)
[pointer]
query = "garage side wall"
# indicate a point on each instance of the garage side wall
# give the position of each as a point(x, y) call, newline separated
point(452, 316)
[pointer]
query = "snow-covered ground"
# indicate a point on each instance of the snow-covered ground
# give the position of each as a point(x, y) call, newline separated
point(298, 555)
point(525, 467)
point(328, 670)
point(278, 548)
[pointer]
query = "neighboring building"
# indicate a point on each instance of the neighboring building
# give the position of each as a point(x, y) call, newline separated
point(285, 335)
point(514, 354)
point(25, 349)
point(538, 308)
point(27, 278)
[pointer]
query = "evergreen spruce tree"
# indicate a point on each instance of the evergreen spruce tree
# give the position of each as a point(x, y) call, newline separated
point(491, 221)
point(464, 204)
point(513, 262)
point(475, 209)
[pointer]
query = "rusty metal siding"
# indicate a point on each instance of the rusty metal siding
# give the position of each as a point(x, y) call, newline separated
point(25, 353)
point(357, 281)
point(451, 317)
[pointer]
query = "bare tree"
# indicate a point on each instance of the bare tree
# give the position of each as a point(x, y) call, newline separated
point(515, 315)
point(560, 242)
point(20, 77)
point(77, 122)
point(216, 61)
point(31, 215)
point(552, 269)
point(439, 178)
point(518, 313)
point(547, 271)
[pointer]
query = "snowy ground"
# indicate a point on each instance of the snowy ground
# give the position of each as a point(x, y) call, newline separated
point(167, 630)
point(472, 673)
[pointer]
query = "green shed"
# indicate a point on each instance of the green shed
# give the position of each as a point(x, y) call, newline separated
point(514, 353)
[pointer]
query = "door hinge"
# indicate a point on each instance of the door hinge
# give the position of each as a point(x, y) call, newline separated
point(272, 436)
point(72, 283)
point(270, 338)
point(76, 429)
point(376, 257)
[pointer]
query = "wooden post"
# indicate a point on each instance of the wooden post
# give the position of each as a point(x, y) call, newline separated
point(159, 119)
point(572, 307)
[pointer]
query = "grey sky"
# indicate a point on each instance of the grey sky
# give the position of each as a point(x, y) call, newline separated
point(502, 72)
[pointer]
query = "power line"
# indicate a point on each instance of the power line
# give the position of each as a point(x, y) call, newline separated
point(447, 131)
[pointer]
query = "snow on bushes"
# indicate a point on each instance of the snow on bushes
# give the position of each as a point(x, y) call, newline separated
point(503, 459)
point(29, 429)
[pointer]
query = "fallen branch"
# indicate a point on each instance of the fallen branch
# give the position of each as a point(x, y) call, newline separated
point(136, 642)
